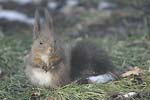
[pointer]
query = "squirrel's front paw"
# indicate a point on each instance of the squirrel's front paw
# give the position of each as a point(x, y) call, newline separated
point(43, 66)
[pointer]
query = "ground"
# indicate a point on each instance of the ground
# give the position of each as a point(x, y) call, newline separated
point(133, 51)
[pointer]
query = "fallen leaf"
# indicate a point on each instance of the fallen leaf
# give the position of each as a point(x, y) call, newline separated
point(134, 71)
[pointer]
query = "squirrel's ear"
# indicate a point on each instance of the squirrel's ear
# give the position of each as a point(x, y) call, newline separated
point(48, 22)
point(36, 27)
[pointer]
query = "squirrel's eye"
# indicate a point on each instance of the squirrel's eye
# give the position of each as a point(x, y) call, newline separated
point(41, 43)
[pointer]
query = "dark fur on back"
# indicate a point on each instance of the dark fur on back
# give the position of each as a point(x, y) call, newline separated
point(88, 59)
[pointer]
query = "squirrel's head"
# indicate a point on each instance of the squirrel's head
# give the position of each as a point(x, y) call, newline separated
point(44, 41)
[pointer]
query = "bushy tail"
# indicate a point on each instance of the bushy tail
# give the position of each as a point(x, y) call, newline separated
point(90, 63)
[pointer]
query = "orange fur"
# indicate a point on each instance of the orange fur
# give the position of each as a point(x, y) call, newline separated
point(37, 60)
point(54, 58)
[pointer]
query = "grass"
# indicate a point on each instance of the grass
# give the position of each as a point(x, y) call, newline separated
point(126, 52)
point(133, 51)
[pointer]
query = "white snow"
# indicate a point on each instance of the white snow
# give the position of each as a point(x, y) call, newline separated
point(23, 2)
point(52, 5)
point(101, 78)
point(72, 3)
point(11, 15)
point(130, 94)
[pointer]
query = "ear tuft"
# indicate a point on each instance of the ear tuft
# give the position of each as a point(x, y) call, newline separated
point(48, 20)
point(36, 27)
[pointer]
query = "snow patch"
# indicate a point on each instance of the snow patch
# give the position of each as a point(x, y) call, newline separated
point(52, 5)
point(72, 3)
point(101, 78)
point(130, 94)
point(22, 2)
point(11, 15)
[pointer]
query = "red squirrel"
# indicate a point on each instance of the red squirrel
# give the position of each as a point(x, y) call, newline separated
point(50, 65)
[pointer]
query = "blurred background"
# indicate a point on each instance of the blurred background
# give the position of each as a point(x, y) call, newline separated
point(121, 27)
point(77, 18)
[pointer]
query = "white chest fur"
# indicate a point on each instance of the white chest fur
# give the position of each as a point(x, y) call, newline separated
point(39, 77)
point(45, 59)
